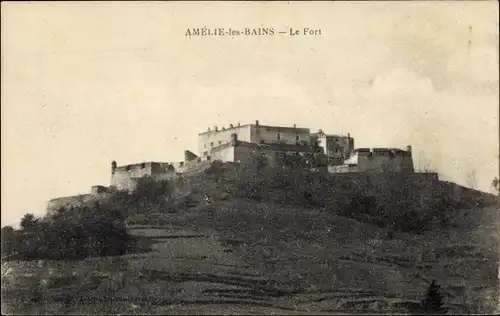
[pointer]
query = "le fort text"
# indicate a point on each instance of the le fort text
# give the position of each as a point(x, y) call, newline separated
point(221, 31)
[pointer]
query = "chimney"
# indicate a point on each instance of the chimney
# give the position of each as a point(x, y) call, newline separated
point(348, 135)
point(408, 149)
point(209, 129)
point(113, 167)
point(216, 128)
point(238, 124)
point(294, 125)
point(231, 126)
point(234, 139)
point(257, 123)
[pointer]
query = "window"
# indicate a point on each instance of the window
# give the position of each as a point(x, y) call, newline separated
point(297, 138)
point(211, 144)
point(278, 136)
point(220, 142)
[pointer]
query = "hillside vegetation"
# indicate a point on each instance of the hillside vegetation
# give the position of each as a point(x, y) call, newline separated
point(275, 239)
point(389, 200)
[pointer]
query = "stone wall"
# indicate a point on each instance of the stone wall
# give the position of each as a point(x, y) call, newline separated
point(225, 152)
point(125, 178)
point(213, 138)
point(287, 135)
point(335, 145)
point(76, 200)
point(380, 159)
point(122, 180)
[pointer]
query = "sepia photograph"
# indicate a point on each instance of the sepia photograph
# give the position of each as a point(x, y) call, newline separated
point(250, 157)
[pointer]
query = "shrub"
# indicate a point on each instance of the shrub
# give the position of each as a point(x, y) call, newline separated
point(433, 300)
point(216, 169)
point(9, 240)
point(35, 294)
point(83, 232)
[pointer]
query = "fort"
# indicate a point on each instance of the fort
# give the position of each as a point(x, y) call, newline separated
point(242, 144)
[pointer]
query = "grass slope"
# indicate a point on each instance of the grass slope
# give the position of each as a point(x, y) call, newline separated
point(238, 255)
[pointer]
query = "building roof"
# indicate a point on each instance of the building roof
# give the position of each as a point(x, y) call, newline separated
point(379, 149)
point(284, 128)
point(125, 167)
point(329, 135)
point(224, 130)
point(273, 127)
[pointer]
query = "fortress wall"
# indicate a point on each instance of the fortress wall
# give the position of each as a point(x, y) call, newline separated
point(379, 162)
point(223, 153)
point(137, 171)
point(205, 140)
point(288, 135)
point(243, 154)
point(164, 176)
point(122, 180)
point(196, 168)
point(126, 180)
point(74, 201)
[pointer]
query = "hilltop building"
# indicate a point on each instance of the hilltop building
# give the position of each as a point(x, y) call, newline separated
point(209, 141)
point(242, 143)
point(279, 145)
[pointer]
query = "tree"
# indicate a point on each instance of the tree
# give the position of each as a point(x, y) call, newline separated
point(28, 221)
point(216, 169)
point(433, 301)
point(495, 184)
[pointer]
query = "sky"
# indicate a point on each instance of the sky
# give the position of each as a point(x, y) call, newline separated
point(85, 83)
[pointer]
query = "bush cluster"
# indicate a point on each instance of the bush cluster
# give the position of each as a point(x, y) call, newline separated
point(385, 199)
point(83, 231)
point(74, 233)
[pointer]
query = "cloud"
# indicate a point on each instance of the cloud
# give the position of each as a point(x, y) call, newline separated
point(452, 129)
point(402, 83)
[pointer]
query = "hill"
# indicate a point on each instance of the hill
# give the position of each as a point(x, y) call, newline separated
point(272, 241)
